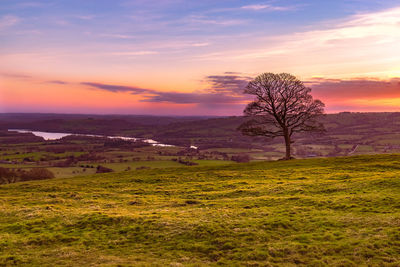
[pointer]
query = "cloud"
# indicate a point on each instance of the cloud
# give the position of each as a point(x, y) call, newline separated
point(364, 31)
point(30, 4)
point(117, 36)
point(254, 7)
point(8, 21)
point(85, 17)
point(134, 53)
point(223, 89)
point(230, 82)
point(200, 19)
point(192, 98)
point(359, 45)
point(24, 77)
point(117, 88)
point(177, 44)
point(16, 76)
point(354, 89)
point(58, 82)
point(62, 22)
point(199, 44)
point(257, 7)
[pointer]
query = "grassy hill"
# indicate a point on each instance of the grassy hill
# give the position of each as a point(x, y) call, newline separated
point(315, 212)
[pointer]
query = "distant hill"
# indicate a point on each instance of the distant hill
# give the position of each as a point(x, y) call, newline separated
point(347, 133)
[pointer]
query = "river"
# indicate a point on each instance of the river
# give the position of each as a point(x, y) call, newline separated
point(57, 136)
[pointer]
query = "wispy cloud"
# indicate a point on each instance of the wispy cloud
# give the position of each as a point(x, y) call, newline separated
point(254, 7)
point(358, 94)
point(8, 21)
point(359, 45)
point(200, 19)
point(117, 88)
point(85, 17)
point(16, 76)
point(355, 89)
point(223, 89)
point(116, 35)
point(192, 98)
point(228, 83)
point(57, 82)
point(62, 22)
point(363, 31)
point(199, 44)
point(30, 4)
point(178, 44)
point(134, 53)
point(257, 7)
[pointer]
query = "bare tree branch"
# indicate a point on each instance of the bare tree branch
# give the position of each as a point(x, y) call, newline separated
point(283, 106)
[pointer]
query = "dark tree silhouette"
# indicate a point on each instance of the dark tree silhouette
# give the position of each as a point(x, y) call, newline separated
point(283, 106)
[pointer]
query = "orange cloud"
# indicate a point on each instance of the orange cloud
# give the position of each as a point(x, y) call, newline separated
point(362, 94)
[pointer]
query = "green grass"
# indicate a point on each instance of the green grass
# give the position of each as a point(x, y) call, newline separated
point(316, 212)
point(37, 155)
point(18, 166)
point(67, 172)
point(160, 164)
point(138, 164)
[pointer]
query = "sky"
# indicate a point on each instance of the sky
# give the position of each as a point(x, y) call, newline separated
point(176, 57)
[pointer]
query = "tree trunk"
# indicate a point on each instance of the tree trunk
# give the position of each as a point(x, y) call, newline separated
point(287, 143)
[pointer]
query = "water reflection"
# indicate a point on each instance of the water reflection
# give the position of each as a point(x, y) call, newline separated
point(56, 136)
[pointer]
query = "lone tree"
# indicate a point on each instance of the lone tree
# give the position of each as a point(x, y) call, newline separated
point(283, 106)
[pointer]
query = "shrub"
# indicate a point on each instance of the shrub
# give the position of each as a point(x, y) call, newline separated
point(37, 174)
point(142, 168)
point(187, 162)
point(241, 158)
point(8, 176)
point(102, 169)
point(12, 176)
point(66, 163)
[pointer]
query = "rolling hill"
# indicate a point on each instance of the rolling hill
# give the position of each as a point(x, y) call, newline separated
point(315, 212)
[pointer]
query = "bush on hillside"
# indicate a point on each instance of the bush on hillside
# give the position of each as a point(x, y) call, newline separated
point(187, 162)
point(241, 158)
point(37, 174)
point(102, 169)
point(8, 176)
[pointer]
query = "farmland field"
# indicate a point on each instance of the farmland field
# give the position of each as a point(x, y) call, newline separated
point(315, 212)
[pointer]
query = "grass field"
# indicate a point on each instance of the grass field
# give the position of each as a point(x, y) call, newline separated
point(316, 212)
point(67, 172)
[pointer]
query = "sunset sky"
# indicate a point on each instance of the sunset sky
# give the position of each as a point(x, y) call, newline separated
point(175, 57)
